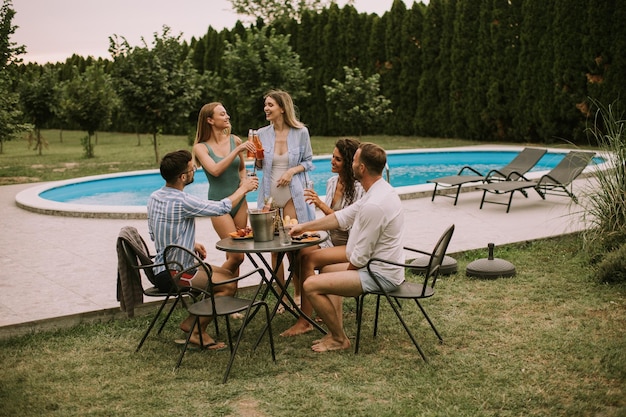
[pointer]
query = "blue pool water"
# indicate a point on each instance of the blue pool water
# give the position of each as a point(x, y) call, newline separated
point(412, 168)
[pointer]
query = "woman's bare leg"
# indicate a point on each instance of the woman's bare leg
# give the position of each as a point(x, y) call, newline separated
point(310, 261)
point(224, 225)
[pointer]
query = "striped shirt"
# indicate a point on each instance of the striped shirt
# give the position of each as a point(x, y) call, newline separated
point(171, 220)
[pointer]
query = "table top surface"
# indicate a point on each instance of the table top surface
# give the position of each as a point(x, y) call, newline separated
point(230, 244)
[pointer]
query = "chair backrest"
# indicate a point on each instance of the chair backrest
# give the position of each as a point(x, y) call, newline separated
point(436, 258)
point(570, 167)
point(136, 251)
point(181, 261)
point(524, 161)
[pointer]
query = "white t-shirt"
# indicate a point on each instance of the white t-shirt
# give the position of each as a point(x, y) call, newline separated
point(377, 227)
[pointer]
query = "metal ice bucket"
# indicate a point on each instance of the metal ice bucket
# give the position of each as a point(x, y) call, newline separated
point(262, 223)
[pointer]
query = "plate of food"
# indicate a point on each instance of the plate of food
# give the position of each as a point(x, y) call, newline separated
point(307, 237)
point(240, 234)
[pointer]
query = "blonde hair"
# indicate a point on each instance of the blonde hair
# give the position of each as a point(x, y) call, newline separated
point(204, 131)
point(284, 101)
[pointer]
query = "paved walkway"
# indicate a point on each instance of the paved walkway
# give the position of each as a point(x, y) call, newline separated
point(59, 271)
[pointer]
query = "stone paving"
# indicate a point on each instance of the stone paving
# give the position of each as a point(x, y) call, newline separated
point(58, 271)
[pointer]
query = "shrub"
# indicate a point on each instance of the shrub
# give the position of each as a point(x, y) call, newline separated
point(612, 269)
point(605, 205)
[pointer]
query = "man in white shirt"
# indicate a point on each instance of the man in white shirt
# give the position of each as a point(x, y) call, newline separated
point(377, 223)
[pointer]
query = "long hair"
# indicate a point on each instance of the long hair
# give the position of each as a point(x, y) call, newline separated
point(284, 101)
point(347, 148)
point(204, 130)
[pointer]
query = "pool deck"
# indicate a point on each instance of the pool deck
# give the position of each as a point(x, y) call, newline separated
point(59, 271)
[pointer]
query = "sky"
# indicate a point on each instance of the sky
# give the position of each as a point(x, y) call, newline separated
point(54, 30)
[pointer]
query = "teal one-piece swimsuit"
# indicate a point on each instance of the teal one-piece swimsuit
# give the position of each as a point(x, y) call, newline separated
point(226, 184)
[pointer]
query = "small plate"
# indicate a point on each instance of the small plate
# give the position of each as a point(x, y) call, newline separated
point(236, 236)
point(307, 237)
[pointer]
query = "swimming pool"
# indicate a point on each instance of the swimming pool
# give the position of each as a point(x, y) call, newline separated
point(128, 192)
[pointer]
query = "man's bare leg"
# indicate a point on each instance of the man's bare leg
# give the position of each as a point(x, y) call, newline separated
point(200, 281)
point(320, 290)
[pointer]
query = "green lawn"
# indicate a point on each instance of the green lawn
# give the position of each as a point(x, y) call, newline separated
point(548, 342)
point(119, 152)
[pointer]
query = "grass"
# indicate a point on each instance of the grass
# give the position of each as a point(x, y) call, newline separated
point(548, 342)
point(120, 152)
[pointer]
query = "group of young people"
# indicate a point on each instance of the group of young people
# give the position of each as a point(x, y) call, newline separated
point(362, 212)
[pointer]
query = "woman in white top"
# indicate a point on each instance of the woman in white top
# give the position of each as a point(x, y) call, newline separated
point(341, 191)
point(288, 155)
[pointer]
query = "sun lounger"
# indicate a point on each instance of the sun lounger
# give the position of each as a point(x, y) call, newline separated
point(521, 164)
point(556, 181)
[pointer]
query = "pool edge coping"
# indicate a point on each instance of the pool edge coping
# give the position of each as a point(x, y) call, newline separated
point(30, 200)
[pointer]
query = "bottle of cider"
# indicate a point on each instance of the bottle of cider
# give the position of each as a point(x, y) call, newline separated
point(249, 154)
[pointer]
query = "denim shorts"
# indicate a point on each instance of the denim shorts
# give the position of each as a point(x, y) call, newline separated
point(368, 284)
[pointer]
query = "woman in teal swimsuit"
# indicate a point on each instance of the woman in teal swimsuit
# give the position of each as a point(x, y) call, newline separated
point(220, 155)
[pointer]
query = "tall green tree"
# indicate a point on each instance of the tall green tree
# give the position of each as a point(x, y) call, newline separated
point(39, 100)
point(570, 19)
point(395, 44)
point(432, 114)
point(274, 10)
point(502, 18)
point(89, 100)
point(254, 64)
point(10, 115)
point(157, 86)
point(411, 67)
point(357, 103)
point(9, 51)
point(534, 112)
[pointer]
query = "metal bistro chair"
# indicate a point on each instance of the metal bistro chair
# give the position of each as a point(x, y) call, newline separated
point(408, 290)
point(139, 258)
point(209, 305)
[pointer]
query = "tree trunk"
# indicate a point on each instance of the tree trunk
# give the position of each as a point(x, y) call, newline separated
point(156, 147)
point(38, 145)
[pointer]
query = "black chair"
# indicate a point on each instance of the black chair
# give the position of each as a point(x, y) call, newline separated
point(208, 305)
point(408, 290)
point(139, 259)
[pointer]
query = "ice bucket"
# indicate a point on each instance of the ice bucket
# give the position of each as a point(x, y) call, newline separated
point(262, 223)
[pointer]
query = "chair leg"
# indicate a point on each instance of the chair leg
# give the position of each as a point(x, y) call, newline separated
point(376, 315)
point(359, 317)
point(234, 349)
point(169, 313)
point(434, 193)
point(456, 197)
point(429, 320)
point(180, 358)
point(152, 323)
point(228, 332)
point(406, 327)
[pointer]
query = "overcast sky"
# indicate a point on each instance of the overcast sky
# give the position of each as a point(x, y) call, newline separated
point(53, 30)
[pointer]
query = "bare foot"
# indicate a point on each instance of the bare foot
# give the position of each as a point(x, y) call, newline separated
point(297, 329)
point(330, 345)
point(207, 341)
point(185, 326)
point(298, 300)
point(323, 339)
